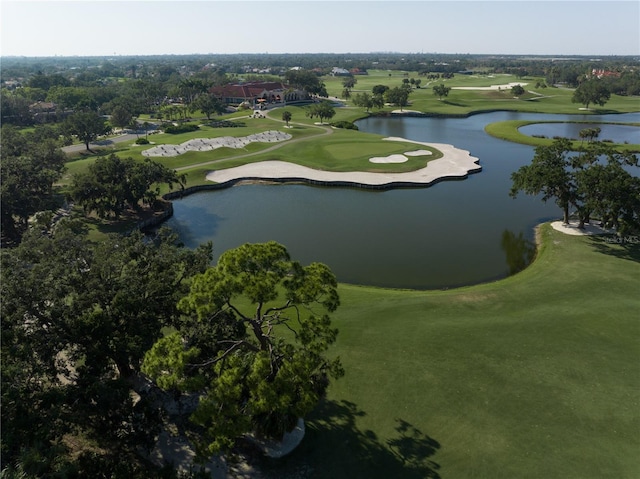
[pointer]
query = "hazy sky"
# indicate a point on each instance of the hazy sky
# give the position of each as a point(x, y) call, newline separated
point(47, 28)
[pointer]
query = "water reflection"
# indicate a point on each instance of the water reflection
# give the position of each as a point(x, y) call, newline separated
point(519, 251)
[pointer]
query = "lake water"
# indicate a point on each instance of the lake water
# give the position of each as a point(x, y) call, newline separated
point(453, 233)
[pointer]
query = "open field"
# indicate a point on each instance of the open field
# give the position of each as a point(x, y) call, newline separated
point(532, 376)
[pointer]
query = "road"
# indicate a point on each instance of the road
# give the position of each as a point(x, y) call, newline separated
point(100, 144)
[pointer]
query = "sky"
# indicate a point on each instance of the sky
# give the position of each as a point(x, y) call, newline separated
point(156, 27)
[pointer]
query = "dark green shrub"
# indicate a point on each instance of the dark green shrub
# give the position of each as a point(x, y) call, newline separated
point(226, 124)
point(142, 141)
point(347, 125)
point(186, 128)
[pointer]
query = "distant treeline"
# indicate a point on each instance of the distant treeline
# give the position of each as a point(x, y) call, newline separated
point(47, 89)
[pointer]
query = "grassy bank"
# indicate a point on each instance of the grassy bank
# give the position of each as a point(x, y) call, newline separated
point(509, 130)
point(532, 376)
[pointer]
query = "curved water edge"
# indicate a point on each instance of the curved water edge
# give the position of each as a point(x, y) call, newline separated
point(454, 164)
point(452, 234)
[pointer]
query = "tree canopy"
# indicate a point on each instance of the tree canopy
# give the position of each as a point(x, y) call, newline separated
point(86, 125)
point(594, 181)
point(112, 184)
point(399, 96)
point(267, 326)
point(591, 91)
point(77, 318)
point(29, 167)
point(323, 110)
point(441, 90)
point(306, 80)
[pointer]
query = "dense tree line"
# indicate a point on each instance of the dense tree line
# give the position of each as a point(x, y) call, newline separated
point(143, 84)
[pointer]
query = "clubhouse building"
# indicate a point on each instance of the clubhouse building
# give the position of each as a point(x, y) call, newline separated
point(257, 93)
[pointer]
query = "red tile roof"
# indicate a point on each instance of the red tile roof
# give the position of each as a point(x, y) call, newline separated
point(247, 90)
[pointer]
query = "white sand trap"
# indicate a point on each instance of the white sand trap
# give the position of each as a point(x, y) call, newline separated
point(418, 153)
point(398, 158)
point(506, 86)
point(209, 144)
point(572, 229)
point(389, 159)
point(454, 164)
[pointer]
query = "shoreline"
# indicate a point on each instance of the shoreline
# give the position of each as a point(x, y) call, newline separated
point(455, 164)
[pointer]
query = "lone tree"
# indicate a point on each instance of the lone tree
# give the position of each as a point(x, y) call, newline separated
point(517, 90)
point(589, 133)
point(86, 125)
point(441, 90)
point(120, 117)
point(263, 364)
point(379, 89)
point(321, 110)
point(286, 117)
point(591, 91)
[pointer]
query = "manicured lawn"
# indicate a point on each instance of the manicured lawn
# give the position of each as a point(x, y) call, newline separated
point(533, 376)
point(508, 130)
point(463, 102)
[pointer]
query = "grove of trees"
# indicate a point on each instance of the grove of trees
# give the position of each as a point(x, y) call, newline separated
point(86, 325)
point(77, 319)
point(30, 164)
point(111, 185)
point(594, 181)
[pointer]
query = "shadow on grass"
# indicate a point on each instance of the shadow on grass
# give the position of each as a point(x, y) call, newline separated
point(625, 247)
point(335, 447)
point(453, 103)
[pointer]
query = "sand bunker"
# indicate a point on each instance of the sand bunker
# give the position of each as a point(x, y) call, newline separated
point(398, 158)
point(506, 86)
point(389, 159)
point(454, 164)
point(209, 144)
point(572, 229)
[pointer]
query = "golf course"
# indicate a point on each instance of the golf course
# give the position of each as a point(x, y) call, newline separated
point(532, 376)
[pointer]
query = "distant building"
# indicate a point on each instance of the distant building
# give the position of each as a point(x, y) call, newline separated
point(44, 111)
point(335, 71)
point(601, 73)
point(258, 92)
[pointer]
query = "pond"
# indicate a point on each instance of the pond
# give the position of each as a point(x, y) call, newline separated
point(451, 234)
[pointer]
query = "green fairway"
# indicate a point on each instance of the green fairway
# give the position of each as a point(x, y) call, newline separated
point(538, 99)
point(528, 377)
